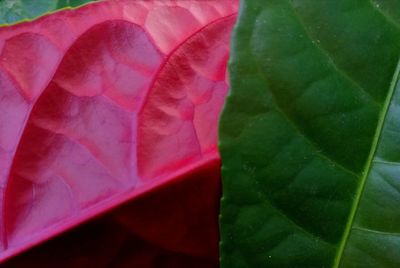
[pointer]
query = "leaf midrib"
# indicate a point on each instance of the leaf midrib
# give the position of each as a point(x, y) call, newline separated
point(368, 165)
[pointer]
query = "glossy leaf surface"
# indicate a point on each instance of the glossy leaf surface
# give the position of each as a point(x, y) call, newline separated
point(102, 104)
point(310, 136)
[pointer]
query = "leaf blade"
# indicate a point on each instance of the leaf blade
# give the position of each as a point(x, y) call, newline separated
point(64, 90)
point(374, 166)
point(315, 105)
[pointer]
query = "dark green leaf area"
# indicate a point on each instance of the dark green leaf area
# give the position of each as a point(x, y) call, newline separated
point(310, 84)
point(71, 3)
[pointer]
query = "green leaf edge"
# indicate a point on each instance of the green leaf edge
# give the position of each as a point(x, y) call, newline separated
point(48, 13)
point(223, 110)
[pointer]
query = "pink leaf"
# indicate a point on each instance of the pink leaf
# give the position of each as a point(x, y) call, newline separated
point(102, 104)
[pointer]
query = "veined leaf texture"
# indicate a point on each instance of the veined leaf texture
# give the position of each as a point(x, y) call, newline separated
point(102, 104)
point(310, 137)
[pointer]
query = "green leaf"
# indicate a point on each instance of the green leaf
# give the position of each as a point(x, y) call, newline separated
point(71, 3)
point(310, 136)
point(12, 11)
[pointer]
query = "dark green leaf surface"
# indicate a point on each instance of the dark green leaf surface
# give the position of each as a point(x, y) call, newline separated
point(12, 11)
point(310, 136)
